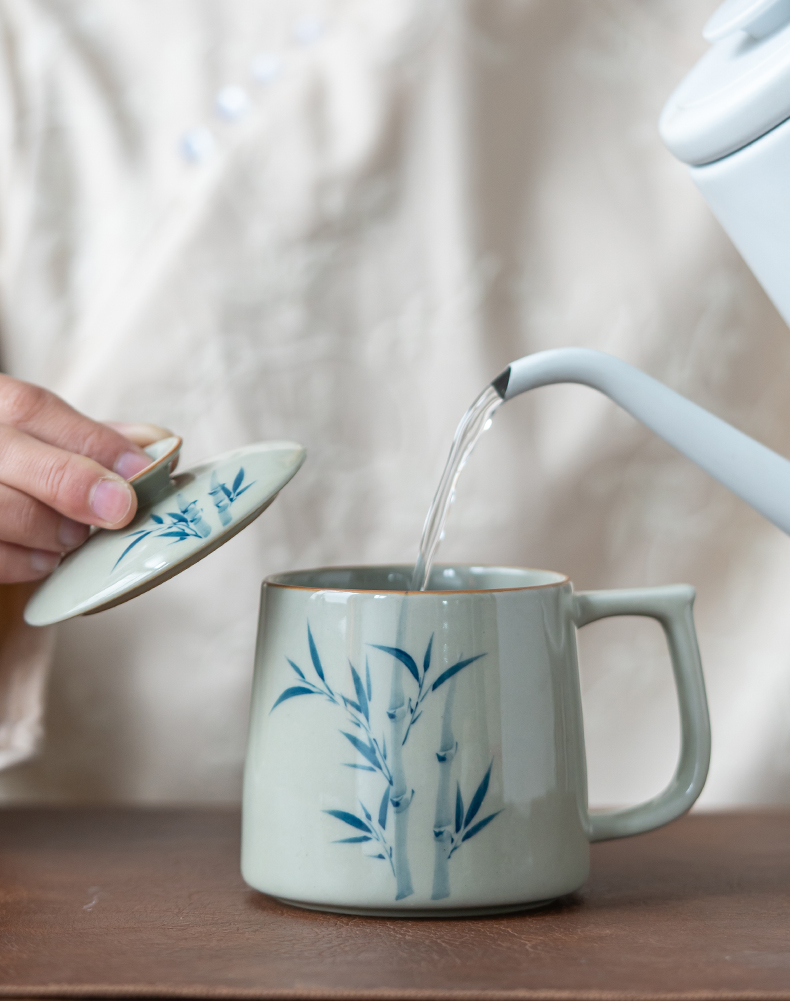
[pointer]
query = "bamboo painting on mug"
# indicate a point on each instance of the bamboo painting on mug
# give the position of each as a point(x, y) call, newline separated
point(382, 830)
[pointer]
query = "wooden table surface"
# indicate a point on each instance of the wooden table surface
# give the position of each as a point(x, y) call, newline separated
point(122, 903)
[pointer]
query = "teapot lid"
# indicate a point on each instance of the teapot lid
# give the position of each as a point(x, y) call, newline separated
point(739, 90)
point(180, 519)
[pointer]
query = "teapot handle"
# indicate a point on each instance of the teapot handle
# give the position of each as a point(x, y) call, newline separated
point(672, 607)
point(752, 471)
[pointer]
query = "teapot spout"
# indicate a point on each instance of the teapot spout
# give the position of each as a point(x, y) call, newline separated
point(752, 471)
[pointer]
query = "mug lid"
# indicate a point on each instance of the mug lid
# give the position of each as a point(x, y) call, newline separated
point(180, 519)
point(739, 90)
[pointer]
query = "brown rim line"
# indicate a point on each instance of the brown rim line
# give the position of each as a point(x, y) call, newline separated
point(155, 464)
point(268, 582)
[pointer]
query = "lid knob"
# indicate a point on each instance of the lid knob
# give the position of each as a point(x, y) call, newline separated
point(757, 18)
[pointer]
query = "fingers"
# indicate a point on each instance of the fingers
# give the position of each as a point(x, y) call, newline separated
point(35, 536)
point(18, 564)
point(30, 523)
point(59, 473)
point(141, 434)
point(41, 414)
point(77, 487)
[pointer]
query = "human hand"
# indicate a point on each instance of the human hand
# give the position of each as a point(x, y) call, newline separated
point(59, 473)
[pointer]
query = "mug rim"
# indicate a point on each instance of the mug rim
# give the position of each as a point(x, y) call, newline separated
point(273, 579)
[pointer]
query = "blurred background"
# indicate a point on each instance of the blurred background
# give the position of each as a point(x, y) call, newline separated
point(334, 221)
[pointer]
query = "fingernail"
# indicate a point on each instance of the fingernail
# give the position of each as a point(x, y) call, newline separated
point(72, 533)
point(44, 562)
point(132, 462)
point(111, 500)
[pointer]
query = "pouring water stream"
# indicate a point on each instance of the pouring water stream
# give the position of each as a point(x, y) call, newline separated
point(476, 420)
point(752, 471)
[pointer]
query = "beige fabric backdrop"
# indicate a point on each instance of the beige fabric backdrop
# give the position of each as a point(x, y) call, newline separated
point(424, 192)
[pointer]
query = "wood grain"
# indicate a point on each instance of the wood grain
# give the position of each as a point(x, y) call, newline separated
point(120, 903)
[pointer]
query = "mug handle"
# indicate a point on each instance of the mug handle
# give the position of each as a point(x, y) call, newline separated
point(671, 606)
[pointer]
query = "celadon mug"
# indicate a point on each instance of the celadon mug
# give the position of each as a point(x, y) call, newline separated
point(422, 753)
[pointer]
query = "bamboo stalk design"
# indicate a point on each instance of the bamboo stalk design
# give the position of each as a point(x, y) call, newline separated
point(403, 712)
point(399, 798)
point(442, 826)
point(398, 713)
point(464, 827)
point(189, 521)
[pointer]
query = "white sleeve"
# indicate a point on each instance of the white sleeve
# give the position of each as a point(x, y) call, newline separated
point(25, 652)
point(25, 659)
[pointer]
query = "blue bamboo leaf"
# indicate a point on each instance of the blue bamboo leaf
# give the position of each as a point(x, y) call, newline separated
point(477, 800)
point(180, 535)
point(480, 825)
point(459, 809)
point(243, 490)
point(139, 538)
point(349, 819)
point(296, 668)
point(362, 699)
point(401, 656)
point(366, 812)
point(454, 671)
point(295, 690)
point(384, 747)
point(238, 480)
point(384, 808)
point(140, 533)
point(376, 856)
point(358, 765)
point(367, 679)
point(178, 517)
point(314, 655)
point(226, 491)
point(157, 519)
point(366, 750)
point(351, 703)
point(353, 839)
point(426, 661)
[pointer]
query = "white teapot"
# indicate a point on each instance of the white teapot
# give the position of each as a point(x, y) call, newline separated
point(729, 120)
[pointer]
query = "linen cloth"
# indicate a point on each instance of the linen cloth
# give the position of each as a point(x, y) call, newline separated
point(334, 221)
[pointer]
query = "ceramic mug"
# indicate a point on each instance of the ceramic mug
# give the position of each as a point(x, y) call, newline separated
point(422, 753)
